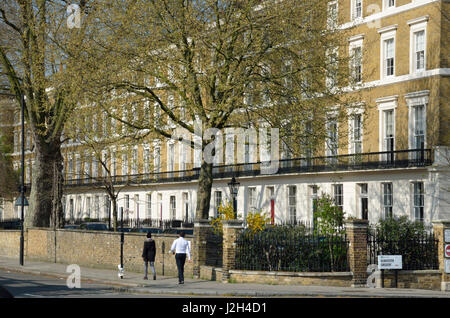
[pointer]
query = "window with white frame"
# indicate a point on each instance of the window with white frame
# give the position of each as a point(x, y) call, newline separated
point(356, 67)
point(387, 4)
point(387, 200)
point(217, 201)
point(386, 108)
point(87, 162)
point(251, 199)
point(88, 207)
point(113, 163)
point(314, 190)
point(104, 163)
point(418, 44)
point(125, 119)
point(105, 123)
point(96, 206)
point(183, 156)
point(146, 160)
point(389, 57)
point(357, 9)
point(292, 203)
point(124, 164)
point(78, 167)
point(94, 166)
point(338, 192)
point(136, 202)
point(356, 133)
point(418, 201)
point(364, 201)
point(70, 168)
point(134, 163)
point(332, 138)
point(170, 157)
point(148, 205)
point(387, 53)
point(173, 207)
point(388, 119)
point(333, 65)
point(419, 50)
point(419, 127)
point(107, 206)
point(332, 20)
point(157, 158)
point(417, 103)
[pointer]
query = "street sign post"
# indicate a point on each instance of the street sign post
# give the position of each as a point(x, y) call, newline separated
point(447, 266)
point(389, 262)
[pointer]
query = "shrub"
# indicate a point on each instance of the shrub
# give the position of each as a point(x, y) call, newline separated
point(257, 221)
point(226, 212)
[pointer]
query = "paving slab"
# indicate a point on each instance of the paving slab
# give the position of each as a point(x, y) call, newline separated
point(135, 284)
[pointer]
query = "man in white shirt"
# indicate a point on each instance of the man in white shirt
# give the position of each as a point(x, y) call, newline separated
point(181, 248)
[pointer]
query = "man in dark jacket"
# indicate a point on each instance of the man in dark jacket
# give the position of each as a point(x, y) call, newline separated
point(149, 255)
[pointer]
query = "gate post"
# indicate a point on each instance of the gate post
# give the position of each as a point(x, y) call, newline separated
point(440, 228)
point(201, 230)
point(356, 231)
point(231, 228)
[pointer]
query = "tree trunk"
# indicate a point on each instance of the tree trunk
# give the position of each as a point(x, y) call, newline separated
point(46, 189)
point(204, 190)
point(114, 203)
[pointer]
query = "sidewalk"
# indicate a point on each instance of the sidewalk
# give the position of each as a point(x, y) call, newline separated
point(133, 283)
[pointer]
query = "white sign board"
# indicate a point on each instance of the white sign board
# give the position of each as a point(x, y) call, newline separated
point(389, 262)
point(447, 266)
point(447, 235)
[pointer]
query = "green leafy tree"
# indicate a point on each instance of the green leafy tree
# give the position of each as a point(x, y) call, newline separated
point(329, 217)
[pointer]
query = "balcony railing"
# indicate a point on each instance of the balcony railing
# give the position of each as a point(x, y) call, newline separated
point(351, 162)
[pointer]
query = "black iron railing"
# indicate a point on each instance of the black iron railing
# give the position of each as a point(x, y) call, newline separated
point(291, 251)
point(419, 251)
point(362, 161)
point(137, 223)
point(10, 224)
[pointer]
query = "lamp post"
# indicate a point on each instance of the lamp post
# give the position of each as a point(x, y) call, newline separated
point(234, 188)
point(21, 200)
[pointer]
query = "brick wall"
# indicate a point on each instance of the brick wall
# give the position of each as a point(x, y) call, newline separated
point(10, 243)
point(425, 279)
point(91, 248)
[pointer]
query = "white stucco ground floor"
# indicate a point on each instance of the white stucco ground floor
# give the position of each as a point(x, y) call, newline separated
point(421, 193)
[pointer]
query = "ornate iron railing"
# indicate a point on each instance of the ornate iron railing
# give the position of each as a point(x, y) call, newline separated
point(363, 161)
point(419, 251)
point(291, 251)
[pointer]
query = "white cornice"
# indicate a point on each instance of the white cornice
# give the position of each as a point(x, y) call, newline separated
point(355, 38)
point(388, 28)
point(388, 99)
point(418, 20)
point(387, 13)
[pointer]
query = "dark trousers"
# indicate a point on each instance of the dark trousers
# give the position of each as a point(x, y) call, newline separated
point(180, 259)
